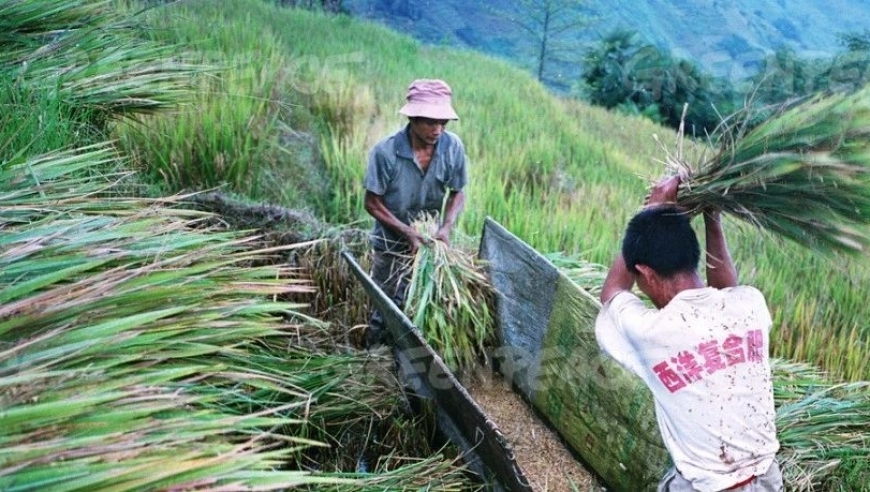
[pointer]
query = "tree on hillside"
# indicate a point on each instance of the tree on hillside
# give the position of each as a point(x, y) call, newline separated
point(624, 72)
point(853, 67)
point(551, 27)
point(856, 41)
point(609, 73)
point(785, 76)
point(782, 76)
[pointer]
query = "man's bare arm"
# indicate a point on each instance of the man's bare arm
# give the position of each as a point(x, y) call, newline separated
point(721, 271)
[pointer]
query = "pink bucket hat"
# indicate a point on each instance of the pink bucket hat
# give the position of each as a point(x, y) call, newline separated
point(429, 98)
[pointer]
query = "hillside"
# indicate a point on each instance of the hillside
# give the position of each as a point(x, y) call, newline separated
point(725, 38)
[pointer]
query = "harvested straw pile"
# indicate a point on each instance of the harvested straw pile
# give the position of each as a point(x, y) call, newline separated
point(823, 428)
point(449, 299)
point(803, 174)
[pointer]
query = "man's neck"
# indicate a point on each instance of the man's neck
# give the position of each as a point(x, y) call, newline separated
point(681, 282)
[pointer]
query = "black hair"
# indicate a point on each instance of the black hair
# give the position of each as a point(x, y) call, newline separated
point(661, 238)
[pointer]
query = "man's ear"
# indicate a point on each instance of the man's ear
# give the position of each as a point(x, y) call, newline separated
point(648, 274)
point(651, 284)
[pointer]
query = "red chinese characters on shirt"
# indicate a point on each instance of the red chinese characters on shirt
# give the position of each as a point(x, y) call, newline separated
point(711, 356)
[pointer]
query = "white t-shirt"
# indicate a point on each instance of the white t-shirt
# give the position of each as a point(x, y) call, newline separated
point(705, 358)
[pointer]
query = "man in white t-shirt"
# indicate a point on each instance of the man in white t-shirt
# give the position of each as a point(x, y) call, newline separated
point(702, 350)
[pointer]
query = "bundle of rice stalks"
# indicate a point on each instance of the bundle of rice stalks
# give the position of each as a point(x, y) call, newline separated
point(803, 174)
point(449, 299)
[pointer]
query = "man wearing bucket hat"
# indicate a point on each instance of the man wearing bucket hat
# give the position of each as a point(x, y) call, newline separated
point(419, 170)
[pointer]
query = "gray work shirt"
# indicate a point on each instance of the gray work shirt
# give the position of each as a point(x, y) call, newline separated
point(406, 190)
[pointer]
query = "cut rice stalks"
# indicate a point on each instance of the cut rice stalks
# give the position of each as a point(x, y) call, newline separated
point(803, 174)
point(823, 428)
point(450, 300)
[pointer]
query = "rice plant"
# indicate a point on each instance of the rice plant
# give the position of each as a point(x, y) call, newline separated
point(802, 174)
point(240, 129)
point(449, 299)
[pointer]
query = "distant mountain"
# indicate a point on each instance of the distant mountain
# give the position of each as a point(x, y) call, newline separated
point(725, 37)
